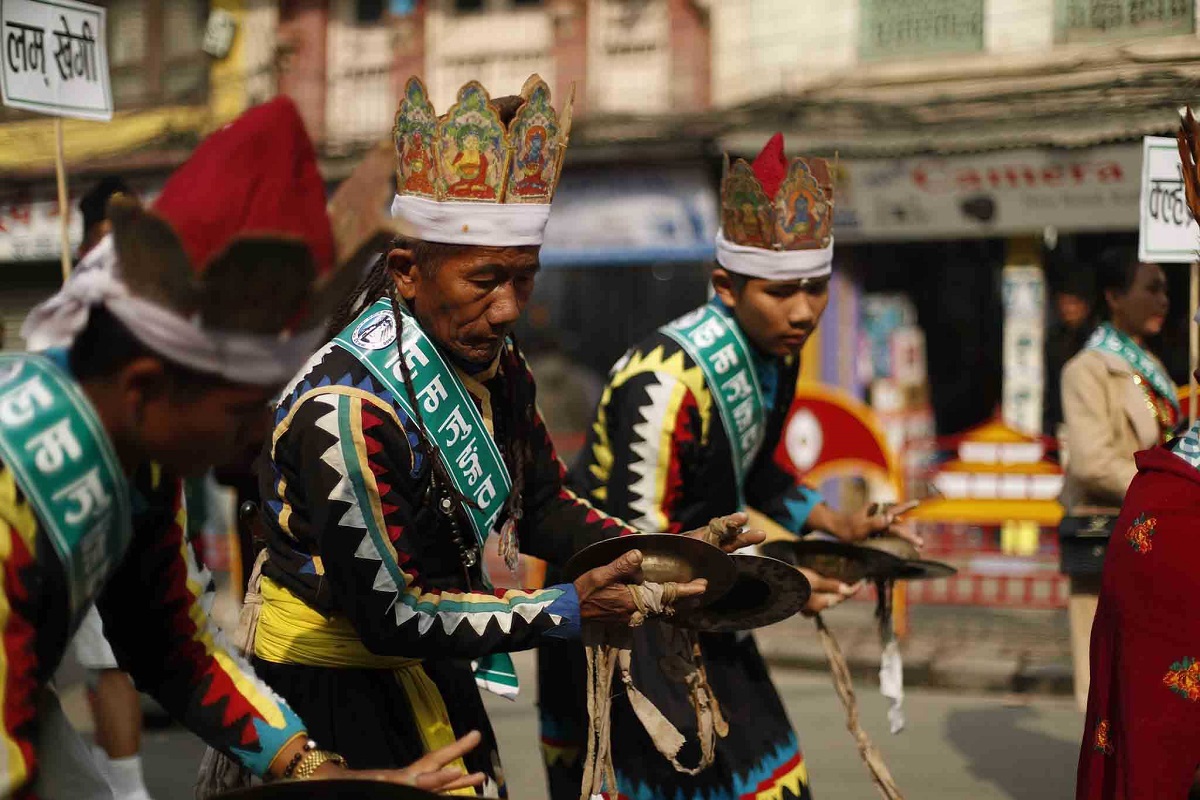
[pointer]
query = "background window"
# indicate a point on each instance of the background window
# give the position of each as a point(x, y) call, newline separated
point(1092, 20)
point(154, 51)
point(891, 28)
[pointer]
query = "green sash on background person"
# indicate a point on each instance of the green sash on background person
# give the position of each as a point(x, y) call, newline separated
point(712, 337)
point(60, 454)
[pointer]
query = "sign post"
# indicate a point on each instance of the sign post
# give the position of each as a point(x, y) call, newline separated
point(56, 62)
point(60, 174)
point(1193, 342)
point(1167, 233)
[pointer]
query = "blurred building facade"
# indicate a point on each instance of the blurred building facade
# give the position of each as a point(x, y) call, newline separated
point(969, 136)
point(986, 147)
point(168, 93)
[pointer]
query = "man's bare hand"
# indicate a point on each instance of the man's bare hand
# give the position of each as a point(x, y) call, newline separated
point(826, 592)
point(886, 519)
point(429, 772)
point(729, 533)
point(604, 592)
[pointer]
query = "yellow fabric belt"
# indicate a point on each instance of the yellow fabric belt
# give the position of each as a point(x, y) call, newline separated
point(291, 632)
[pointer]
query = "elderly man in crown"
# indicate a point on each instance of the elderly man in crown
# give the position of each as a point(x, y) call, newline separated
point(154, 361)
point(412, 437)
point(688, 424)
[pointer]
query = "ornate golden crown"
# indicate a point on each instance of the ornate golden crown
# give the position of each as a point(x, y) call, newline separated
point(468, 154)
point(798, 217)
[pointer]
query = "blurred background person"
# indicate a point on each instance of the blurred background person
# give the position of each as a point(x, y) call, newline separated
point(94, 208)
point(567, 390)
point(115, 703)
point(1117, 399)
point(1073, 323)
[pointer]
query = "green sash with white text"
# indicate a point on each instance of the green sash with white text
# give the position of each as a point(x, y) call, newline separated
point(60, 454)
point(711, 336)
point(466, 448)
point(451, 419)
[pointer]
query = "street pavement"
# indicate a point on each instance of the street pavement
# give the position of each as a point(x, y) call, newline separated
point(981, 746)
point(959, 648)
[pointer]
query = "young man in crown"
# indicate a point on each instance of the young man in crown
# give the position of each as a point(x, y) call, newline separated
point(158, 358)
point(412, 437)
point(687, 424)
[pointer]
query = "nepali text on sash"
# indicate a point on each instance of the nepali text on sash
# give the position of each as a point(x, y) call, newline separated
point(711, 336)
point(53, 441)
point(451, 419)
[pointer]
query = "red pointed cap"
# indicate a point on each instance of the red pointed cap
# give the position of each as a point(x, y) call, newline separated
point(771, 165)
point(256, 176)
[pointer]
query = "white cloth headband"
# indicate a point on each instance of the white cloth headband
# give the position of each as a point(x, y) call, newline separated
point(774, 265)
point(461, 222)
point(237, 357)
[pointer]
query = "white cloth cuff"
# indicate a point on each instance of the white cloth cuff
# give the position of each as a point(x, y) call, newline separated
point(774, 265)
point(463, 222)
point(238, 357)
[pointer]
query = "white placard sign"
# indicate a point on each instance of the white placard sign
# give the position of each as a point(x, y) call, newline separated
point(54, 58)
point(1167, 234)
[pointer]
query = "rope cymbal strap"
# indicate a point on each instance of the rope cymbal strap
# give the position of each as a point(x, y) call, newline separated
point(720, 726)
point(721, 532)
point(652, 600)
point(891, 662)
point(609, 653)
point(845, 690)
point(601, 666)
point(682, 663)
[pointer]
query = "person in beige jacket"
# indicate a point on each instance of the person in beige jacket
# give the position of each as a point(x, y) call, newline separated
point(1117, 399)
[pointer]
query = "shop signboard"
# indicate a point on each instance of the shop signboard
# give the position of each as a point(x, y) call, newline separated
point(1005, 193)
point(29, 222)
point(1167, 234)
point(55, 58)
point(29, 230)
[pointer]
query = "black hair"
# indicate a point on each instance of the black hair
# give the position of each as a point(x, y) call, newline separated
point(106, 345)
point(94, 204)
point(740, 281)
point(1116, 270)
point(377, 282)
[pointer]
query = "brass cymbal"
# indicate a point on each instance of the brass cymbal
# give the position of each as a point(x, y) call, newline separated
point(892, 545)
point(846, 562)
point(878, 558)
point(921, 569)
point(767, 591)
point(665, 557)
point(915, 568)
point(329, 790)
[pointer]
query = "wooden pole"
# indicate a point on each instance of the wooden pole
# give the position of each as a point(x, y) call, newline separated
point(63, 209)
point(1193, 343)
